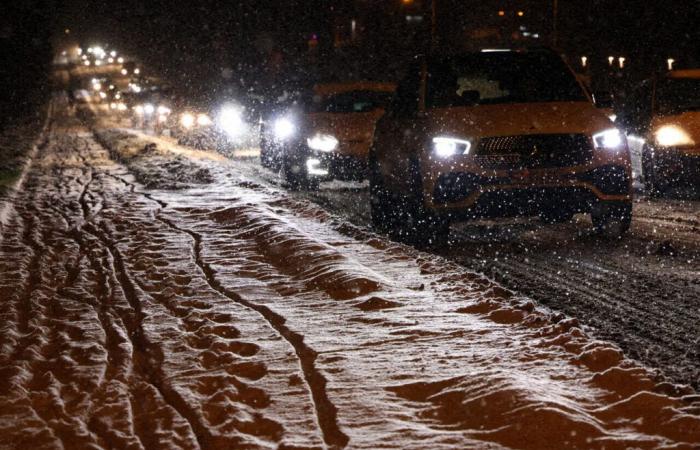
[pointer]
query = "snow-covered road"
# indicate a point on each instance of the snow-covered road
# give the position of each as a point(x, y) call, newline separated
point(228, 314)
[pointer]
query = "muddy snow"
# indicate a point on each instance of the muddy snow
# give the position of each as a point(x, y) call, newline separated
point(147, 305)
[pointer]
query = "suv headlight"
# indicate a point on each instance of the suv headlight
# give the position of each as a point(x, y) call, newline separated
point(611, 139)
point(322, 142)
point(284, 128)
point(203, 120)
point(230, 121)
point(187, 120)
point(444, 146)
point(672, 136)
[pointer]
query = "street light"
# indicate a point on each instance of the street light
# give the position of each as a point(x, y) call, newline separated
point(621, 60)
point(670, 62)
point(584, 61)
point(611, 59)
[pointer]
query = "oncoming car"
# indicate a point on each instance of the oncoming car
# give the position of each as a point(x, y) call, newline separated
point(331, 138)
point(495, 134)
point(224, 129)
point(663, 119)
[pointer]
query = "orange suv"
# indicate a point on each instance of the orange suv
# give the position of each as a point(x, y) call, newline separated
point(495, 134)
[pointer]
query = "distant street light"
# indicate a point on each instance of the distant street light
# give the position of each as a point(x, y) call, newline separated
point(611, 59)
point(621, 60)
point(521, 13)
point(670, 62)
point(584, 61)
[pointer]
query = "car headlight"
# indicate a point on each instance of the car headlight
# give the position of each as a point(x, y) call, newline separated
point(187, 120)
point(163, 110)
point(322, 142)
point(230, 121)
point(203, 120)
point(148, 109)
point(445, 147)
point(672, 136)
point(611, 139)
point(284, 128)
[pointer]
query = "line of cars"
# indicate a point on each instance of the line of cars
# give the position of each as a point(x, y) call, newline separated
point(482, 134)
point(490, 133)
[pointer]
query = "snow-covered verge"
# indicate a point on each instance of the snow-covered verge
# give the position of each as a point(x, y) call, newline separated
point(17, 139)
point(408, 337)
point(231, 315)
point(154, 163)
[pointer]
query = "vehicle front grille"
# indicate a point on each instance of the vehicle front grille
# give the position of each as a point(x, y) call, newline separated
point(534, 151)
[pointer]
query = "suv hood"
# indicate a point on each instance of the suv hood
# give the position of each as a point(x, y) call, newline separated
point(518, 119)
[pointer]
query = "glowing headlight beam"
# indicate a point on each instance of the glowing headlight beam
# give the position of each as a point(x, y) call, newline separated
point(445, 147)
point(284, 128)
point(230, 121)
point(187, 120)
point(203, 120)
point(611, 139)
point(322, 142)
point(672, 136)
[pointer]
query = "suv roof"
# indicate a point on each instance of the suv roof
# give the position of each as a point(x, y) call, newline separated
point(685, 73)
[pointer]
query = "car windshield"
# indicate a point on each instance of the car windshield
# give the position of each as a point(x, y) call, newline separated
point(676, 95)
point(351, 102)
point(501, 77)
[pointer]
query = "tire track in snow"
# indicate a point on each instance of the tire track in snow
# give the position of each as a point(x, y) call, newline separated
point(326, 412)
point(146, 356)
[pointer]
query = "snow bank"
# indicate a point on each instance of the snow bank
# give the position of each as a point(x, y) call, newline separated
point(232, 315)
point(477, 364)
point(155, 164)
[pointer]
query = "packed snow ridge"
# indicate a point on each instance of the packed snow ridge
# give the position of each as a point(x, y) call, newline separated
point(216, 311)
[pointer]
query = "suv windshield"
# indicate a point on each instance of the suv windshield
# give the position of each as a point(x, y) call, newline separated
point(501, 77)
point(351, 102)
point(676, 95)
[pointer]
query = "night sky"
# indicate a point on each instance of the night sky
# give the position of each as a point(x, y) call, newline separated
point(191, 42)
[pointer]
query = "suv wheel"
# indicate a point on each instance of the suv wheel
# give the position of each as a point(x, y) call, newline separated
point(403, 216)
point(612, 219)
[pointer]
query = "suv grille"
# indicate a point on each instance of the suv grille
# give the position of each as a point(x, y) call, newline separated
point(534, 151)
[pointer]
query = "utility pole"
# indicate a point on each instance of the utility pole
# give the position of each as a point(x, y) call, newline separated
point(555, 14)
point(433, 23)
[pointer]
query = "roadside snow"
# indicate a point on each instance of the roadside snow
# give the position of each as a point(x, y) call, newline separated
point(228, 314)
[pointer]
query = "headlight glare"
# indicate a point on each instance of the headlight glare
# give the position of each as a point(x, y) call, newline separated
point(672, 135)
point(611, 139)
point(230, 120)
point(203, 120)
point(284, 128)
point(322, 142)
point(187, 120)
point(444, 146)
